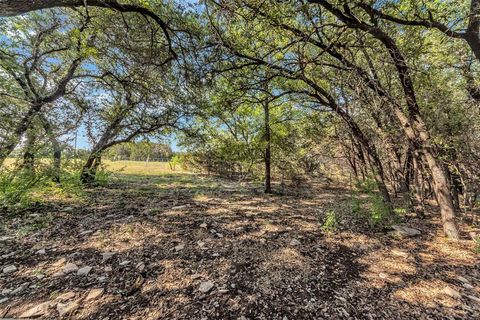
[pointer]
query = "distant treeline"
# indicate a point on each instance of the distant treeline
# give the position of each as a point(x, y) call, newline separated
point(140, 151)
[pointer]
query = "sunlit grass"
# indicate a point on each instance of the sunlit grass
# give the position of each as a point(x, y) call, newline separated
point(142, 167)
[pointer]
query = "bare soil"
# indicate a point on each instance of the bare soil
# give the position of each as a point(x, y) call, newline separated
point(266, 256)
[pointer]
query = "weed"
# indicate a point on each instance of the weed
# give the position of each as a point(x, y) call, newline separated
point(331, 222)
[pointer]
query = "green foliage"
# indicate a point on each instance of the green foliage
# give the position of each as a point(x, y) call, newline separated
point(477, 244)
point(367, 203)
point(331, 222)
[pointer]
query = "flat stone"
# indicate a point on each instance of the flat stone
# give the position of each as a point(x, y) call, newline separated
point(60, 262)
point(84, 271)
point(64, 308)
point(179, 207)
point(108, 269)
point(65, 296)
point(140, 266)
point(86, 232)
point(37, 311)
point(179, 247)
point(204, 225)
point(451, 292)
point(4, 300)
point(463, 279)
point(9, 269)
point(70, 267)
point(295, 242)
point(94, 294)
point(6, 292)
point(206, 286)
point(41, 252)
point(107, 256)
point(6, 238)
point(382, 275)
point(102, 279)
point(476, 299)
point(124, 263)
point(405, 232)
point(468, 286)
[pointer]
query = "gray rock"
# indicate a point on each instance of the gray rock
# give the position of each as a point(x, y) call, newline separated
point(206, 286)
point(9, 269)
point(405, 232)
point(124, 263)
point(477, 300)
point(4, 300)
point(295, 242)
point(204, 225)
point(70, 267)
point(463, 279)
point(41, 251)
point(179, 247)
point(6, 292)
point(84, 271)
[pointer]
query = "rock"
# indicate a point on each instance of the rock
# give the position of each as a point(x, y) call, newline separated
point(468, 286)
point(6, 292)
point(124, 263)
point(65, 296)
point(6, 238)
point(70, 267)
point(399, 253)
point(477, 300)
point(94, 294)
point(262, 240)
point(108, 269)
point(84, 271)
point(37, 311)
point(179, 247)
point(4, 300)
point(64, 308)
point(140, 266)
point(405, 232)
point(60, 262)
point(382, 275)
point(179, 207)
point(21, 288)
point(9, 269)
point(451, 292)
point(463, 279)
point(102, 279)
point(223, 290)
point(41, 251)
point(107, 255)
point(295, 242)
point(206, 286)
point(204, 225)
point(86, 232)
point(201, 244)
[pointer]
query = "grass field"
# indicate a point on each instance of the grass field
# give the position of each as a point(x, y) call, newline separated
point(151, 168)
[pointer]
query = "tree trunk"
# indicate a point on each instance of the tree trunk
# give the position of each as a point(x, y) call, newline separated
point(6, 147)
point(266, 110)
point(29, 153)
point(90, 167)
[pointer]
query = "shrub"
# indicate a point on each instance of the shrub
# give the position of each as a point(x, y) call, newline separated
point(331, 222)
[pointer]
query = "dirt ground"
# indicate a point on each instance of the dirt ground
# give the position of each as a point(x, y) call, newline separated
point(190, 247)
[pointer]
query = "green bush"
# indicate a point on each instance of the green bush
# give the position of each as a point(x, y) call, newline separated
point(331, 222)
point(371, 206)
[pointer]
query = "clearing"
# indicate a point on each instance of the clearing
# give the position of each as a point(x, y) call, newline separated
point(165, 245)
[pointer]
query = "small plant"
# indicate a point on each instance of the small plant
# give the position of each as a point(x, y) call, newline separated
point(331, 222)
point(477, 244)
